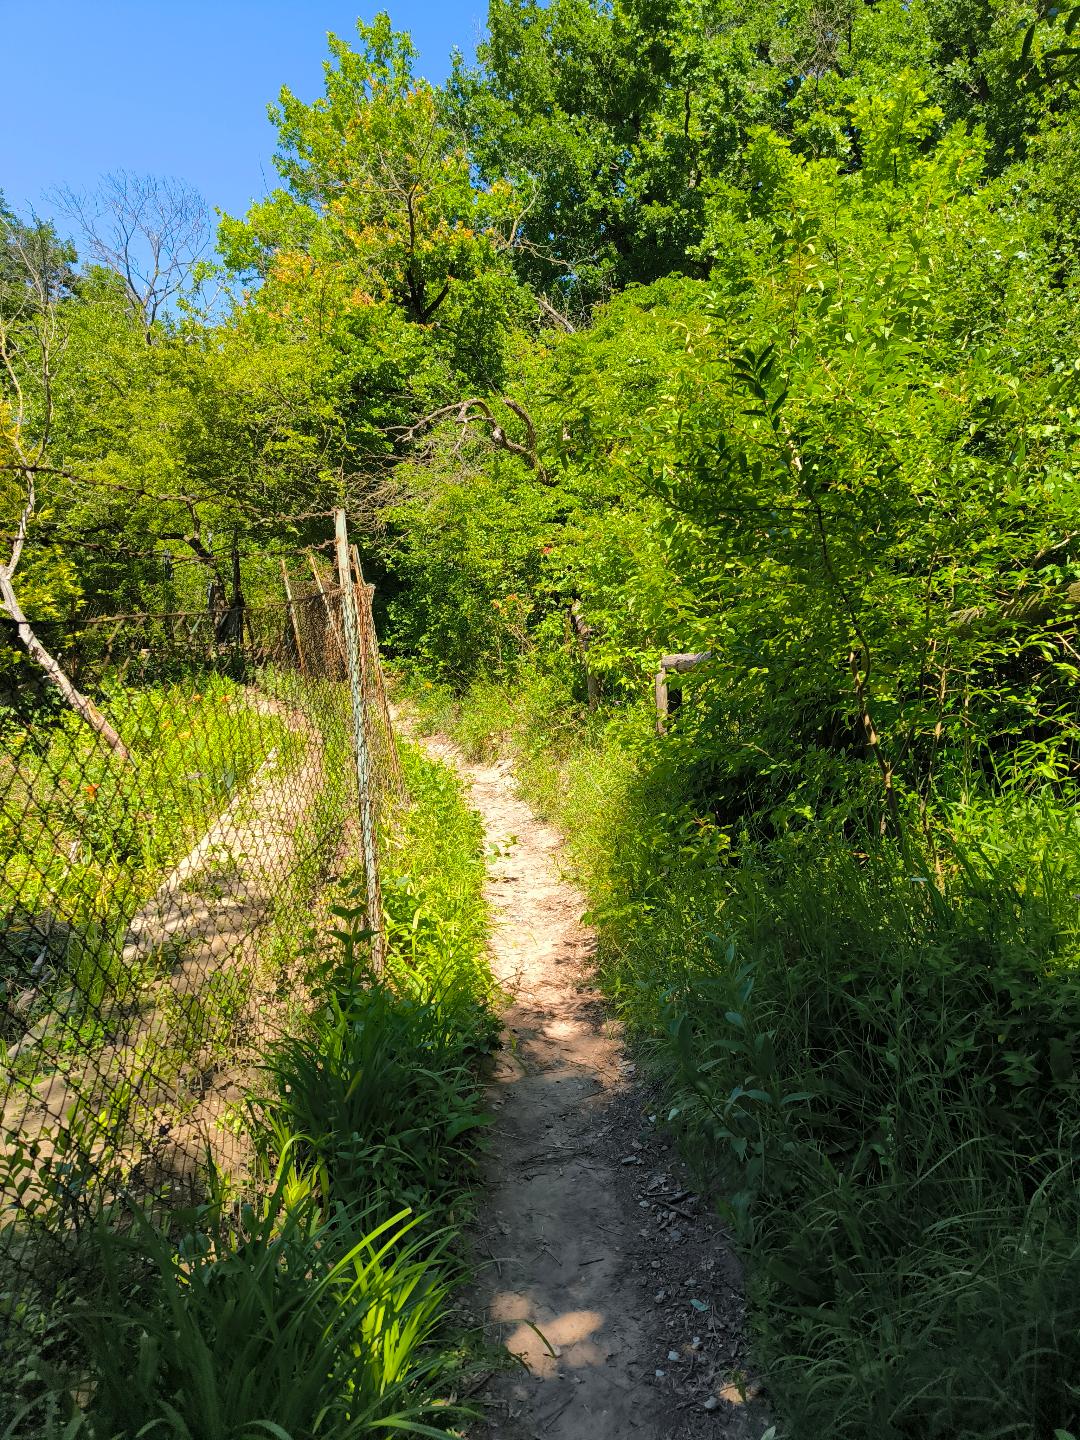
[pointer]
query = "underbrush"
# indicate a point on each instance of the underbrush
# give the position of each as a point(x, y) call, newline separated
point(872, 1061)
point(315, 1300)
point(382, 1088)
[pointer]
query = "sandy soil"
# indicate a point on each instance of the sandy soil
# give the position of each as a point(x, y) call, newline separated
point(618, 1329)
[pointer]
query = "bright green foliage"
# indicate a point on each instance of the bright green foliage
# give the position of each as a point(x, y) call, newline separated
point(320, 1314)
point(380, 215)
point(436, 915)
point(383, 1085)
point(618, 123)
point(467, 589)
point(837, 901)
point(846, 467)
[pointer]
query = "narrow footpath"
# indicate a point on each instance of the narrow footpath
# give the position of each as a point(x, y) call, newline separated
point(568, 1275)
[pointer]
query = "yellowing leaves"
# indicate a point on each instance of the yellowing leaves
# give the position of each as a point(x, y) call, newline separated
point(290, 267)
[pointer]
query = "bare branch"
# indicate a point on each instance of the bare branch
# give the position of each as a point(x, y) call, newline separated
point(555, 316)
point(21, 529)
point(83, 706)
point(151, 232)
point(476, 411)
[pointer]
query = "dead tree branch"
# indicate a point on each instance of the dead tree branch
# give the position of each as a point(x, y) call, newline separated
point(556, 317)
point(477, 412)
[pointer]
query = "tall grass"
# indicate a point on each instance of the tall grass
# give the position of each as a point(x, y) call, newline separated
point(298, 1318)
point(85, 838)
point(86, 833)
point(875, 1070)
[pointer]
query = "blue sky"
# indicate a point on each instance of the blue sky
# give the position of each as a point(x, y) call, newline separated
point(173, 88)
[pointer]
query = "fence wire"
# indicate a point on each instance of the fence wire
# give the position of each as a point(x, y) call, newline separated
point(153, 909)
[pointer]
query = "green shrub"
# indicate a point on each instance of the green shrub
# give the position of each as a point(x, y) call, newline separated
point(871, 1058)
point(383, 1082)
point(382, 1089)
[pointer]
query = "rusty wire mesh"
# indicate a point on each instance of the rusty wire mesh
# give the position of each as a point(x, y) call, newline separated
point(152, 909)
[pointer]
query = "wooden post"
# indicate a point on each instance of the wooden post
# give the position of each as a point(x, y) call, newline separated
point(363, 605)
point(360, 741)
point(292, 614)
point(679, 664)
point(682, 663)
point(331, 618)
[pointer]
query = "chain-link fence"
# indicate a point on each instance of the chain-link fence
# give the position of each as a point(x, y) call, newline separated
point(158, 874)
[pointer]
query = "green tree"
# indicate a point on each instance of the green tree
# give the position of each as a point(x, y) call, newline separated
point(379, 210)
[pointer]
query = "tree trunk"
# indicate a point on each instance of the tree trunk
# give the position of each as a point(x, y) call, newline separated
point(83, 706)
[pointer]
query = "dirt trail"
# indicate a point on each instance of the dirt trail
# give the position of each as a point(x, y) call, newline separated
point(555, 1225)
point(567, 1281)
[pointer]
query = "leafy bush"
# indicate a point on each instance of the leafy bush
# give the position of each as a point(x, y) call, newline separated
point(294, 1320)
point(383, 1082)
point(381, 1089)
point(872, 1059)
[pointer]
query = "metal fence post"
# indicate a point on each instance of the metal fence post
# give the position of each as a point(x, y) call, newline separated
point(360, 746)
